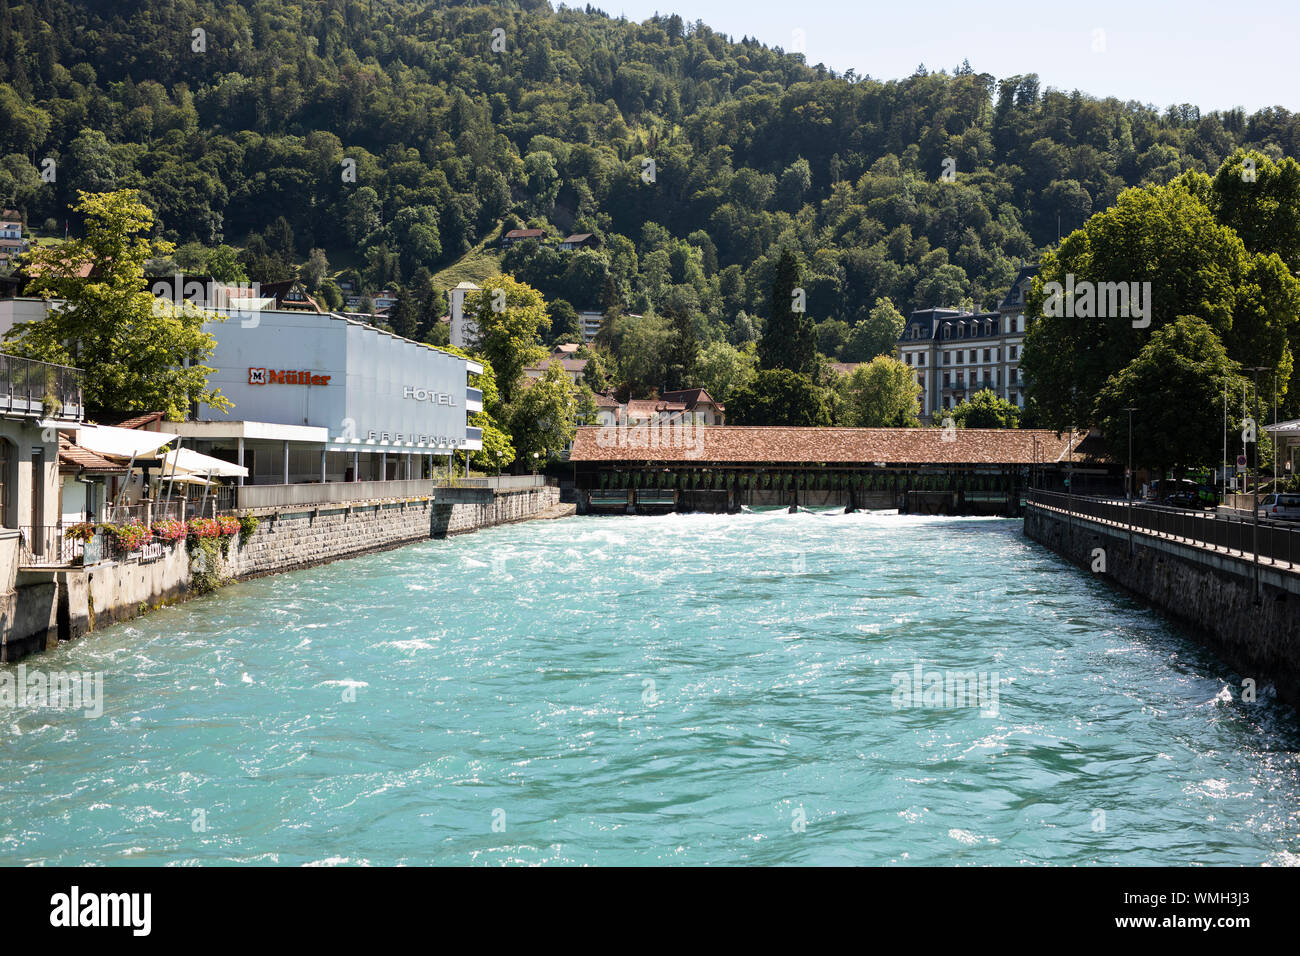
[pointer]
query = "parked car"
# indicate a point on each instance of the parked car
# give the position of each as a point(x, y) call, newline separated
point(1187, 494)
point(1282, 507)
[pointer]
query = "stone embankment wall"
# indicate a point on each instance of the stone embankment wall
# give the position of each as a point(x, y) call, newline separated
point(1212, 594)
point(42, 606)
point(504, 508)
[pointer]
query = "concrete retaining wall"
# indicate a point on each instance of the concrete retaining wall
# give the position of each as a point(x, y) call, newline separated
point(1211, 594)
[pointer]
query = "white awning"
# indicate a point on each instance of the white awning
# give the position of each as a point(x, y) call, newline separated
point(187, 461)
point(181, 478)
point(121, 442)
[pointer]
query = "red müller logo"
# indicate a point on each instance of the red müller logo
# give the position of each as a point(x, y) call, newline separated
point(274, 376)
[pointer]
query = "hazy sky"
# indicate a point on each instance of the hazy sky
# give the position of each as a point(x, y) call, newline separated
point(1215, 55)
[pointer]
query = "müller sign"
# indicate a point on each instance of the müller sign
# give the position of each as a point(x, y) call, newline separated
point(275, 376)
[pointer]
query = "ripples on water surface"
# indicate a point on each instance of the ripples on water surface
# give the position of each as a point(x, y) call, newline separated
point(681, 689)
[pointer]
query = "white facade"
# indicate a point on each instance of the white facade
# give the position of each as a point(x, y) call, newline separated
point(369, 389)
point(955, 354)
point(464, 332)
point(589, 325)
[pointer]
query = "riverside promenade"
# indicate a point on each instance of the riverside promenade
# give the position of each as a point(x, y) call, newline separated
point(1233, 583)
point(299, 526)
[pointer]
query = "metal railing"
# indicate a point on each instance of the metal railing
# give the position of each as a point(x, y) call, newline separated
point(499, 483)
point(26, 384)
point(342, 492)
point(51, 547)
point(1277, 543)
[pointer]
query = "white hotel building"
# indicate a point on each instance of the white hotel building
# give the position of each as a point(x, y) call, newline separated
point(319, 397)
point(956, 354)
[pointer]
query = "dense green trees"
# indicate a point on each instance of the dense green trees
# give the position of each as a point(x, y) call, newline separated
point(779, 397)
point(392, 135)
point(881, 394)
point(985, 409)
point(140, 352)
point(1173, 242)
point(511, 317)
point(1176, 385)
point(788, 339)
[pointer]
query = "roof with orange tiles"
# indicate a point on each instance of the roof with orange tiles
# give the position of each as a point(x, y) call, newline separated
point(605, 401)
point(726, 443)
point(648, 406)
point(573, 365)
point(140, 421)
point(690, 397)
point(73, 458)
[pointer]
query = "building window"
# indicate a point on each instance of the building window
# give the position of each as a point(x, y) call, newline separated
point(922, 359)
point(961, 356)
point(987, 352)
point(1011, 352)
point(1012, 375)
point(947, 379)
point(947, 358)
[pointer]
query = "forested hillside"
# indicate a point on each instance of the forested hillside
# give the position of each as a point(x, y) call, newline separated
point(238, 135)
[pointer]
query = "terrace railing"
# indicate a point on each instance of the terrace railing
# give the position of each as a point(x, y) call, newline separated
point(40, 389)
point(314, 494)
point(1276, 543)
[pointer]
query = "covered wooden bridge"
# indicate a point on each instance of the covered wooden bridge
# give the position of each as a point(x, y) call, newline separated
point(646, 470)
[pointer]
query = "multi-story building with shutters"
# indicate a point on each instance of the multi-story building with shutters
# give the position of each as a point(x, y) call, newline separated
point(955, 353)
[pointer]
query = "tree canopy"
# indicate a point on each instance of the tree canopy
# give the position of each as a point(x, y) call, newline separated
point(779, 397)
point(883, 393)
point(139, 352)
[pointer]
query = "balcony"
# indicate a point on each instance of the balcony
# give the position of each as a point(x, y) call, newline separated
point(40, 389)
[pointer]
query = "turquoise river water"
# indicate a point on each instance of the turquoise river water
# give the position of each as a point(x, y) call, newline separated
point(686, 689)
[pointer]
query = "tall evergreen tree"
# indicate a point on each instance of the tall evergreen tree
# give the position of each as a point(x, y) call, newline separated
point(611, 307)
point(789, 339)
point(680, 367)
point(403, 317)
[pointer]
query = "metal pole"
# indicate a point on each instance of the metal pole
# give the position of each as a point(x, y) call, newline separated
point(171, 483)
point(1128, 478)
point(121, 493)
point(1271, 436)
point(1254, 499)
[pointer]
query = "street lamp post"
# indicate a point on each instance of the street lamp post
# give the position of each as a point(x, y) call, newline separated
point(1128, 477)
point(1254, 487)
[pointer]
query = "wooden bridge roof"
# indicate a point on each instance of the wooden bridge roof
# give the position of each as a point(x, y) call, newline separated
point(856, 446)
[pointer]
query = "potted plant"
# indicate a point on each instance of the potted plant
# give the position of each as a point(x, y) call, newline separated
point(82, 532)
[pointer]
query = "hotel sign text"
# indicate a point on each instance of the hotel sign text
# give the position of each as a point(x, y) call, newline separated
point(428, 395)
